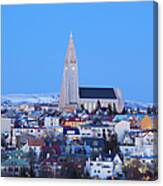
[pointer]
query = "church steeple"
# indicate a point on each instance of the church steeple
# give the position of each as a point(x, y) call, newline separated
point(71, 54)
point(69, 91)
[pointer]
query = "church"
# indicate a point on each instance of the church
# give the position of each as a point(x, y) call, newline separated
point(73, 96)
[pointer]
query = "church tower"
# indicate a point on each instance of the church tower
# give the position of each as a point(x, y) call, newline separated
point(69, 95)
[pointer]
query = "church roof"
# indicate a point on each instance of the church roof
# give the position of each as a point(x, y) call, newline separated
point(96, 93)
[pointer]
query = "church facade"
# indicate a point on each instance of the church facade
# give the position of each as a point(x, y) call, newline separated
point(72, 96)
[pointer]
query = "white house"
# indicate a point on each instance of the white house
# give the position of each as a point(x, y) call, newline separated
point(99, 168)
point(34, 131)
point(51, 121)
point(117, 166)
point(121, 128)
point(95, 130)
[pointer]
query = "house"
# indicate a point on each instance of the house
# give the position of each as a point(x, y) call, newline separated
point(51, 121)
point(36, 144)
point(146, 123)
point(98, 145)
point(146, 160)
point(32, 131)
point(121, 128)
point(15, 167)
point(120, 117)
point(72, 122)
point(48, 168)
point(101, 169)
point(139, 143)
point(118, 164)
point(71, 132)
point(96, 130)
point(6, 125)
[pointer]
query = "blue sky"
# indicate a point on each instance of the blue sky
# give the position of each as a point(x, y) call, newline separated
point(113, 41)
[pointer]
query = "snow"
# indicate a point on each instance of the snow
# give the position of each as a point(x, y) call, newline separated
point(30, 98)
point(54, 98)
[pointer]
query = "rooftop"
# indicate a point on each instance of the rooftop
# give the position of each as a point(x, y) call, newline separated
point(97, 93)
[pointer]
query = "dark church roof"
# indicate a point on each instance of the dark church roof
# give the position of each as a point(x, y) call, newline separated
point(97, 93)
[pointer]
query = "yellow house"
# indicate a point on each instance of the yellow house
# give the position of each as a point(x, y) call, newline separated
point(146, 123)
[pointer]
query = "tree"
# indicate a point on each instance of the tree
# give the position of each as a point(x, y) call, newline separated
point(110, 109)
point(149, 110)
point(98, 105)
point(132, 170)
point(114, 109)
point(82, 107)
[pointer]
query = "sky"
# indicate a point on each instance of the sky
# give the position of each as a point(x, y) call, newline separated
point(113, 42)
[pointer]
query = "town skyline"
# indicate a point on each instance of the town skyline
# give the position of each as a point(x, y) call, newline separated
point(35, 57)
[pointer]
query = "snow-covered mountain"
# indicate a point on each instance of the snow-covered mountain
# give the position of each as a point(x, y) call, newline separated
point(30, 98)
point(137, 104)
point(54, 98)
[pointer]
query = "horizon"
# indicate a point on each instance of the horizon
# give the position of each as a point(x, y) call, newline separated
point(36, 35)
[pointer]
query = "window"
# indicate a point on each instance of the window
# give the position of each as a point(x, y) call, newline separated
point(16, 169)
point(10, 169)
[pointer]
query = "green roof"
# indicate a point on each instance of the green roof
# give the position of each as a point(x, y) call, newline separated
point(15, 162)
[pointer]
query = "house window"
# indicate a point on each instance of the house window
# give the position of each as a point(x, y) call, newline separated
point(108, 171)
point(10, 169)
point(16, 169)
point(98, 171)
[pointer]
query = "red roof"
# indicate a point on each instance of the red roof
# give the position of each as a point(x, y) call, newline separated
point(55, 147)
point(49, 160)
point(35, 142)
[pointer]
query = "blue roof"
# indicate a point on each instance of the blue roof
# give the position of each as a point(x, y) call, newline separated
point(94, 125)
point(97, 93)
point(143, 157)
point(120, 117)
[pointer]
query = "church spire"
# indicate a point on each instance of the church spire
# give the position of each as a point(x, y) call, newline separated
point(69, 91)
point(71, 54)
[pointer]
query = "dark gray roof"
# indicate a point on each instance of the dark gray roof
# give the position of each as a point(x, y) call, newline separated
point(97, 93)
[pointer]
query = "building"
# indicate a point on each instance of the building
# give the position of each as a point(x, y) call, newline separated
point(51, 121)
point(73, 96)
point(72, 122)
point(6, 125)
point(96, 131)
point(89, 97)
point(69, 92)
point(102, 169)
